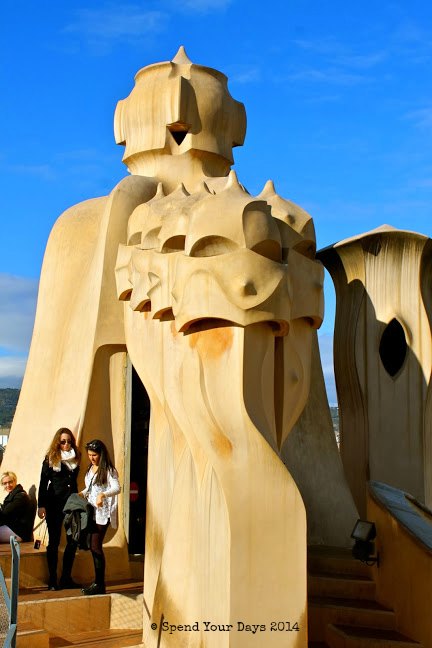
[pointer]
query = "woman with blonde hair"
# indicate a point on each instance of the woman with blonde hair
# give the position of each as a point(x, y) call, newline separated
point(59, 480)
point(16, 512)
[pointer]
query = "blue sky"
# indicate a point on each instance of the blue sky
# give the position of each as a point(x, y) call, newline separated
point(338, 98)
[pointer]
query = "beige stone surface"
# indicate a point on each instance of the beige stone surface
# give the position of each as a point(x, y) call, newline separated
point(383, 383)
point(311, 455)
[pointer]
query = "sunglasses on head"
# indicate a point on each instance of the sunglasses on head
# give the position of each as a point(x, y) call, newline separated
point(94, 446)
point(64, 441)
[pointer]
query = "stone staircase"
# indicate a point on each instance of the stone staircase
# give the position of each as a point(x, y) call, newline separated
point(342, 610)
point(68, 619)
point(29, 637)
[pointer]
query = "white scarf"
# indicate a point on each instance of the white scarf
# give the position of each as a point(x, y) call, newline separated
point(67, 457)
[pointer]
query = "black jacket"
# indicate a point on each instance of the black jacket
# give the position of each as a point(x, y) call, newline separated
point(55, 486)
point(17, 512)
point(78, 518)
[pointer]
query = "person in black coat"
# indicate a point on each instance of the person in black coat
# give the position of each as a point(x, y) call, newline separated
point(16, 512)
point(59, 480)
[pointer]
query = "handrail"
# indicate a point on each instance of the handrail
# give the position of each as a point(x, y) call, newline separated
point(416, 518)
point(12, 600)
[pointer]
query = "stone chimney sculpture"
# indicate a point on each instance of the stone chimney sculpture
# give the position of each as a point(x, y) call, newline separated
point(222, 294)
point(383, 359)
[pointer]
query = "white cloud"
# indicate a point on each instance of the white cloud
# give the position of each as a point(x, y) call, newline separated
point(131, 23)
point(411, 32)
point(363, 61)
point(41, 171)
point(341, 54)
point(116, 23)
point(340, 64)
point(328, 75)
point(12, 371)
point(243, 74)
point(413, 43)
point(17, 310)
point(80, 155)
point(88, 166)
point(422, 117)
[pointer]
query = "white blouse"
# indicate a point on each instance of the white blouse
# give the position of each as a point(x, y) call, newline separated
point(108, 511)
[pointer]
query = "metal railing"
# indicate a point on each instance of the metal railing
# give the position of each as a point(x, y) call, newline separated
point(9, 603)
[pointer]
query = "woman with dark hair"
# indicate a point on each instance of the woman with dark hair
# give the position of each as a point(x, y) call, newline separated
point(102, 488)
point(59, 480)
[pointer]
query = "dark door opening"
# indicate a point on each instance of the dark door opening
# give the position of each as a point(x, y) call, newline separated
point(140, 418)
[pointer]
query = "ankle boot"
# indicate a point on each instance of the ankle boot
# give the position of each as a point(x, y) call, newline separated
point(93, 589)
point(98, 587)
point(66, 581)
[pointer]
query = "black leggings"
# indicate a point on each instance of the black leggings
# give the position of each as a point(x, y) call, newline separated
point(97, 537)
point(54, 520)
point(96, 541)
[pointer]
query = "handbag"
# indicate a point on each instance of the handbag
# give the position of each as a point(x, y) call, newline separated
point(40, 533)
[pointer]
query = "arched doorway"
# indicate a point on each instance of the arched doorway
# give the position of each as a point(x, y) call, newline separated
point(136, 449)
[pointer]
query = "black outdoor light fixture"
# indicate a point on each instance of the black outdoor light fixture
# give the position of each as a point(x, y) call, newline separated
point(364, 533)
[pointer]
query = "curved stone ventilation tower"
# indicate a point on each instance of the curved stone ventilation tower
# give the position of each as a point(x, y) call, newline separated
point(383, 359)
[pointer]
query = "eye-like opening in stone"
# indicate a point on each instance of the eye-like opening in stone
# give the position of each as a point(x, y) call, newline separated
point(150, 240)
point(204, 324)
point(178, 130)
point(174, 244)
point(134, 239)
point(270, 249)
point(164, 314)
point(142, 306)
point(209, 246)
point(125, 295)
point(280, 328)
point(393, 347)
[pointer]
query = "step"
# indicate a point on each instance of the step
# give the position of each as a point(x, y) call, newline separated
point(335, 560)
point(342, 636)
point(33, 565)
point(39, 593)
point(341, 586)
point(106, 639)
point(72, 612)
point(324, 610)
point(28, 635)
